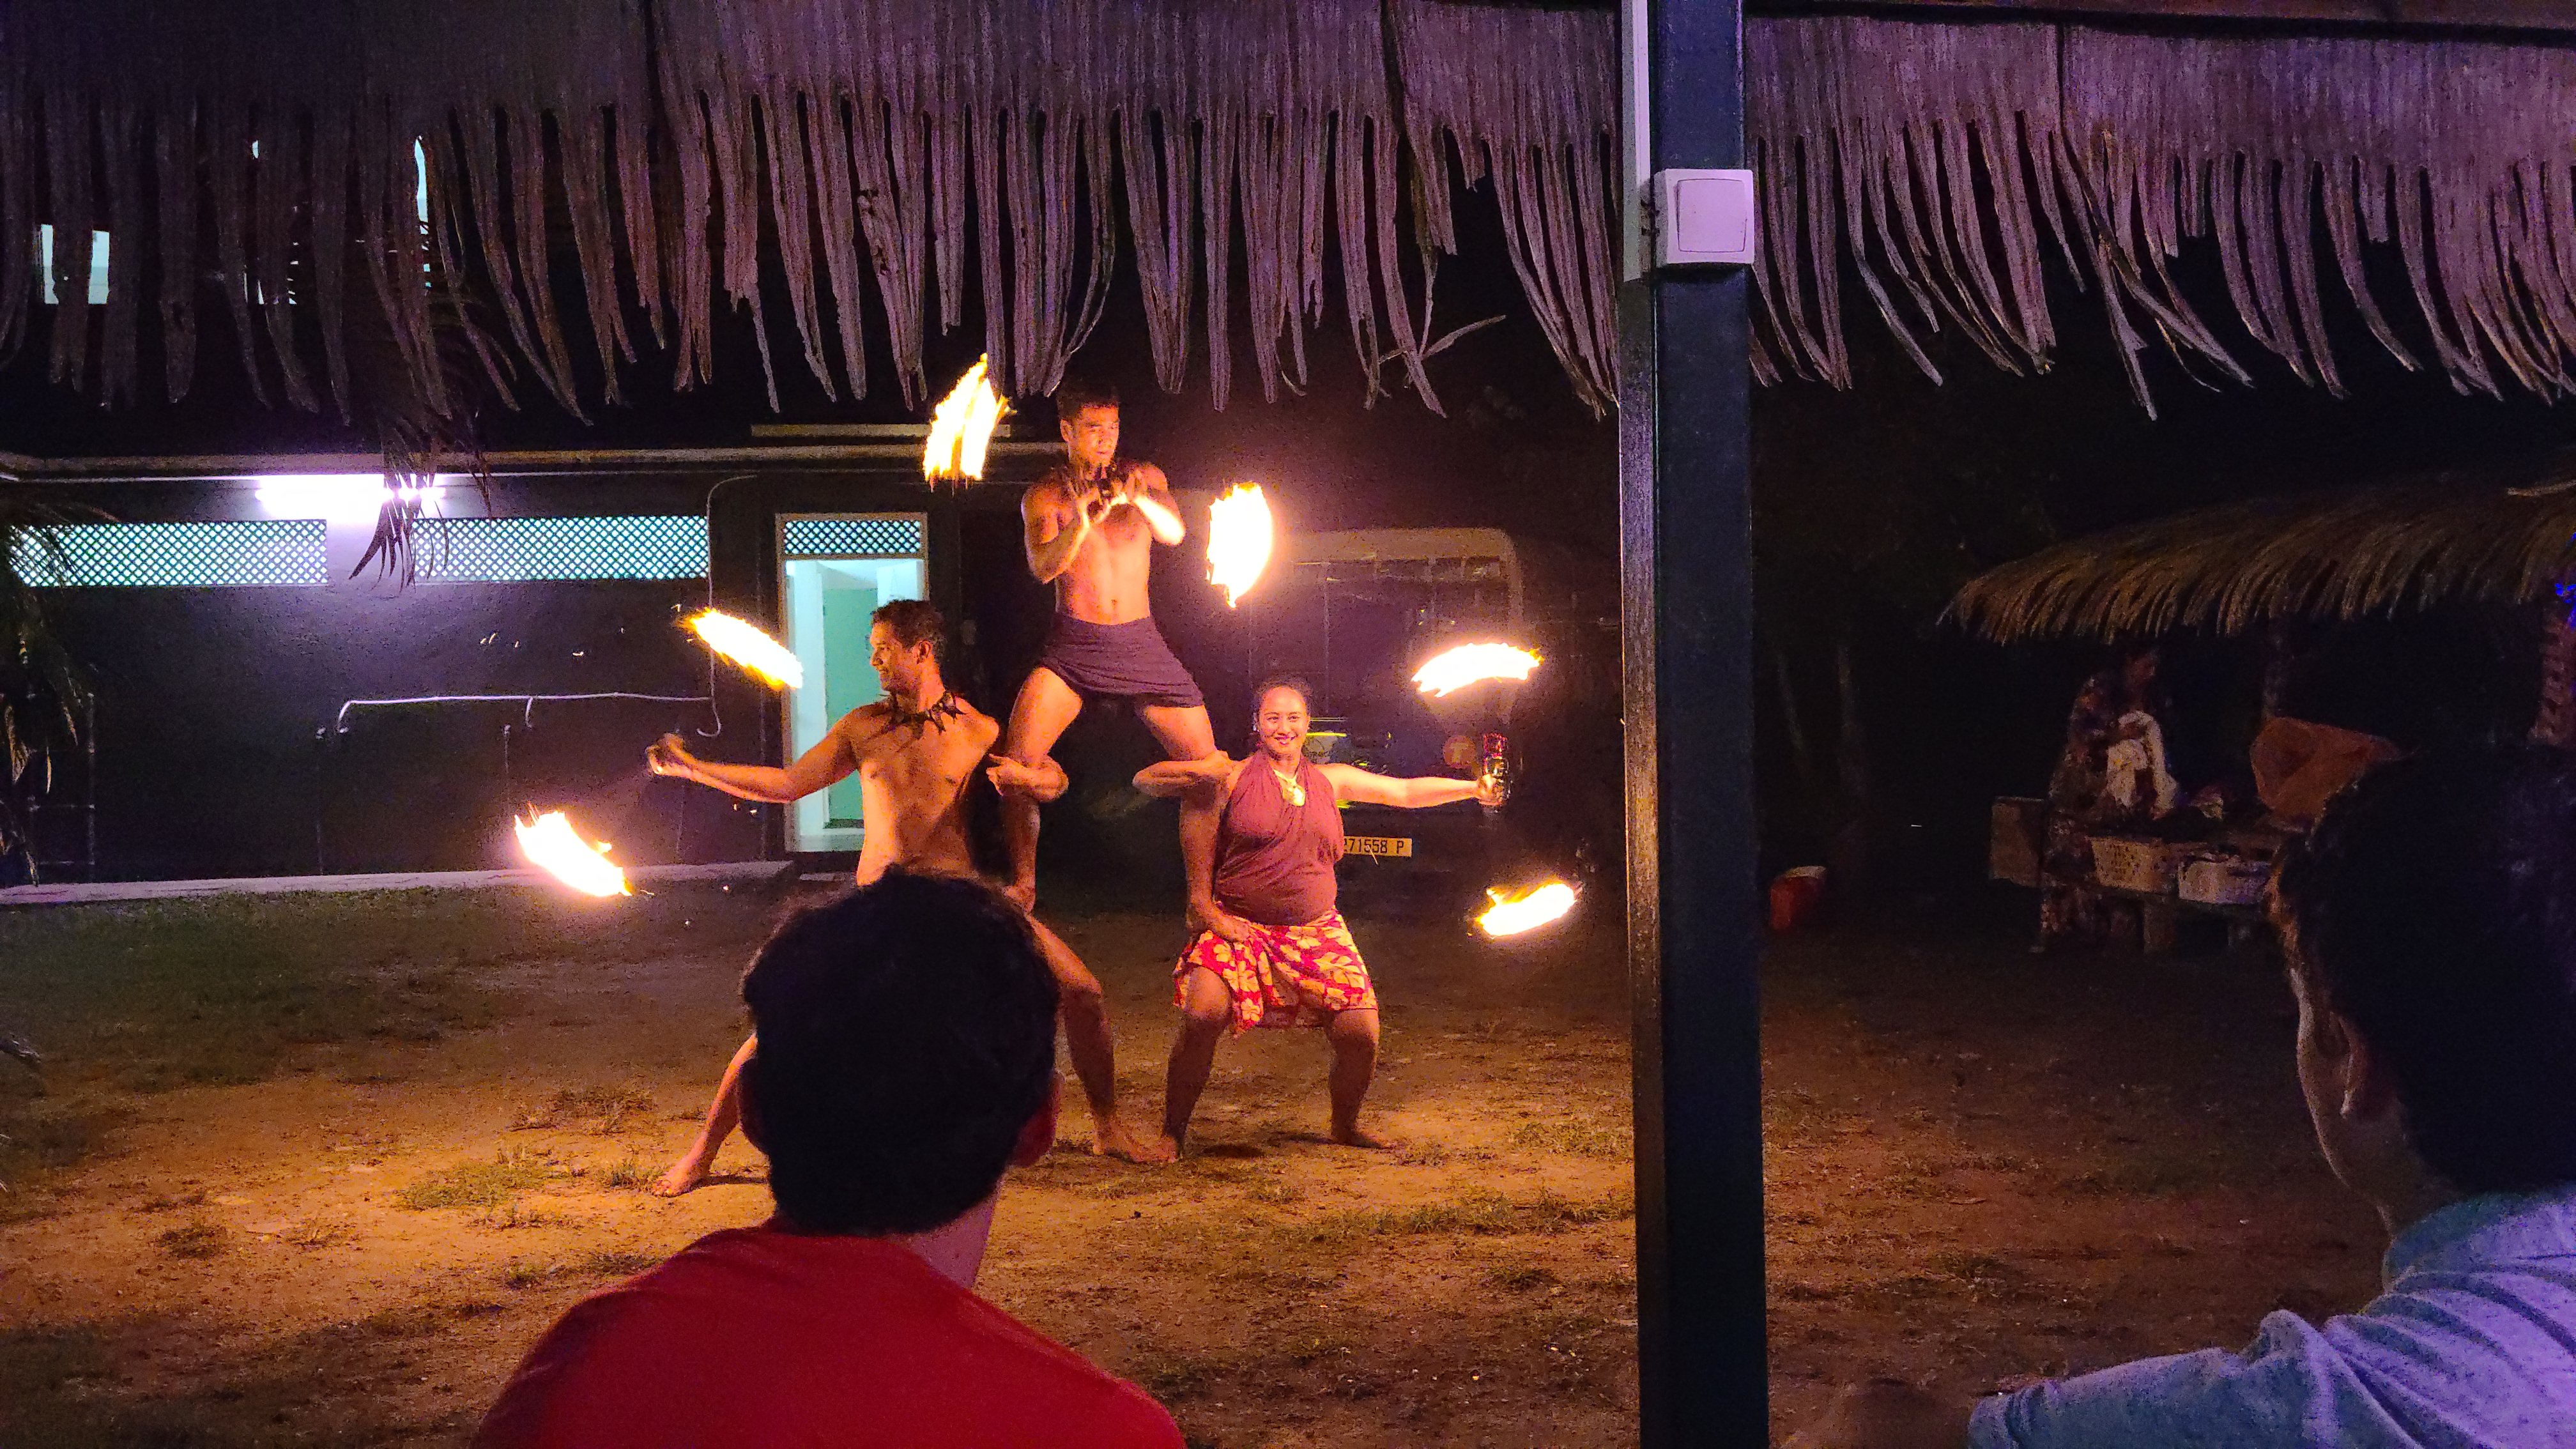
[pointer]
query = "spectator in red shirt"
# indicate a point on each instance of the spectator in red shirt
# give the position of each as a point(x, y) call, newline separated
point(906, 1058)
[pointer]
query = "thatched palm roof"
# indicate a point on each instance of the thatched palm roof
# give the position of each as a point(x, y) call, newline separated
point(2339, 555)
point(866, 162)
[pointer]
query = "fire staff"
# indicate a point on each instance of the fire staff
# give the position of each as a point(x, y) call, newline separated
point(1090, 526)
point(916, 752)
point(1272, 949)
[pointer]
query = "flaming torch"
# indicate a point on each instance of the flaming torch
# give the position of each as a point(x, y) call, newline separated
point(548, 841)
point(1468, 664)
point(962, 428)
point(1515, 912)
point(1239, 534)
point(746, 645)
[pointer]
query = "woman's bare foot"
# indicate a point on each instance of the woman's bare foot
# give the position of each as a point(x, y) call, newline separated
point(1111, 1137)
point(1350, 1135)
point(682, 1176)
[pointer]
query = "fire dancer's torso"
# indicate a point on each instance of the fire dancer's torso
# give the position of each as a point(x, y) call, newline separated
point(1105, 582)
point(913, 776)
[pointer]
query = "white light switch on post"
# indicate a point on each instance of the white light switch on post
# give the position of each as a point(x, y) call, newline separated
point(1703, 217)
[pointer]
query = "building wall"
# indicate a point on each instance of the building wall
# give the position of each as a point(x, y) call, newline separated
point(220, 751)
point(228, 744)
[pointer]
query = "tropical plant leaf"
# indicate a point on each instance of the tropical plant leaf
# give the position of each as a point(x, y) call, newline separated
point(42, 694)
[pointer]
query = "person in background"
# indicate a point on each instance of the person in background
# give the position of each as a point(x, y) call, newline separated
point(2430, 932)
point(1260, 837)
point(905, 1059)
point(2073, 914)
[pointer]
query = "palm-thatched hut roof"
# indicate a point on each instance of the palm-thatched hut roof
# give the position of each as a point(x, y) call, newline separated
point(2499, 538)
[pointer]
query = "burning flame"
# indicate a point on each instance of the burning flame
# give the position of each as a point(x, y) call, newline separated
point(1469, 664)
point(1239, 534)
point(1513, 912)
point(548, 841)
point(962, 428)
point(747, 646)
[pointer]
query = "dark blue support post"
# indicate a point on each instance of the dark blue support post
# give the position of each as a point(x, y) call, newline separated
point(1686, 566)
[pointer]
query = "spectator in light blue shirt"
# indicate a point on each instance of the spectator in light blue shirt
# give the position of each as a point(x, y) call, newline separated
point(2430, 927)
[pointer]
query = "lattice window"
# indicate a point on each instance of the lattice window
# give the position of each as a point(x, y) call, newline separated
point(211, 554)
point(522, 550)
point(894, 537)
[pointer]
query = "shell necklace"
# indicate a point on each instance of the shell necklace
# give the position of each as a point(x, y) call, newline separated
point(1292, 785)
point(947, 707)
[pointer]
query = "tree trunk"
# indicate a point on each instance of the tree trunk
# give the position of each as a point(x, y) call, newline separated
point(2556, 722)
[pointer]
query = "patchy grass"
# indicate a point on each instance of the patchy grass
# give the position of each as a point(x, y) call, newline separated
point(1478, 1213)
point(605, 1110)
point(521, 1276)
point(410, 1320)
point(39, 1136)
point(150, 996)
point(607, 1264)
point(1168, 1375)
point(2152, 1173)
point(478, 1184)
point(324, 1232)
point(1572, 1137)
point(1520, 1278)
point(202, 1238)
point(513, 1214)
point(626, 1174)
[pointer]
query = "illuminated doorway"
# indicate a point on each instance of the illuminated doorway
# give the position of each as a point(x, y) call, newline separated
point(834, 569)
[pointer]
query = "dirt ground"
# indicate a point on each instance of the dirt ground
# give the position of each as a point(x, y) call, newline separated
point(346, 1228)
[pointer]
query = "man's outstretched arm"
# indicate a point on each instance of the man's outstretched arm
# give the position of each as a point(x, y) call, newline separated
point(821, 766)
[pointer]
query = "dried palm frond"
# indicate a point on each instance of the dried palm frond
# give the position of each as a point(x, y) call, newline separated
point(1955, 156)
point(2342, 555)
point(415, 381)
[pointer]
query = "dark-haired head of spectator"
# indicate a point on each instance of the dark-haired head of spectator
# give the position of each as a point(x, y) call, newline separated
point(904, 1059)
point(2430, 921)
point(906, 1055)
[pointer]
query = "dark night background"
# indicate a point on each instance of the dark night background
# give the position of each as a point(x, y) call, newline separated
point(1872, 506)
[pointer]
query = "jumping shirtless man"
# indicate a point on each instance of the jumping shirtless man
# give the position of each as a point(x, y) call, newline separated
point(1090, 526)
point(915, 752)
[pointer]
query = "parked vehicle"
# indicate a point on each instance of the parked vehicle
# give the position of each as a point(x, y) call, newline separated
point(1357, 613)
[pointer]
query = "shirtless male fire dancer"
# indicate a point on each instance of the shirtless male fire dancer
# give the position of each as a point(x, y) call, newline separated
point(1090, 526)
point(915, 752)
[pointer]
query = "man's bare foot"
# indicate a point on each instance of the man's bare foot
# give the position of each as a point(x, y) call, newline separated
point(683, 1175)
point(1110, 1137)
point(1353, 1136)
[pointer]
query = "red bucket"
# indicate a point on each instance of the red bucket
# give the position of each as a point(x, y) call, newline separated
point(1797, 896)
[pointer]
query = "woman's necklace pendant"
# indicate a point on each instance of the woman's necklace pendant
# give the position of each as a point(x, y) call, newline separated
point(1291, 786)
